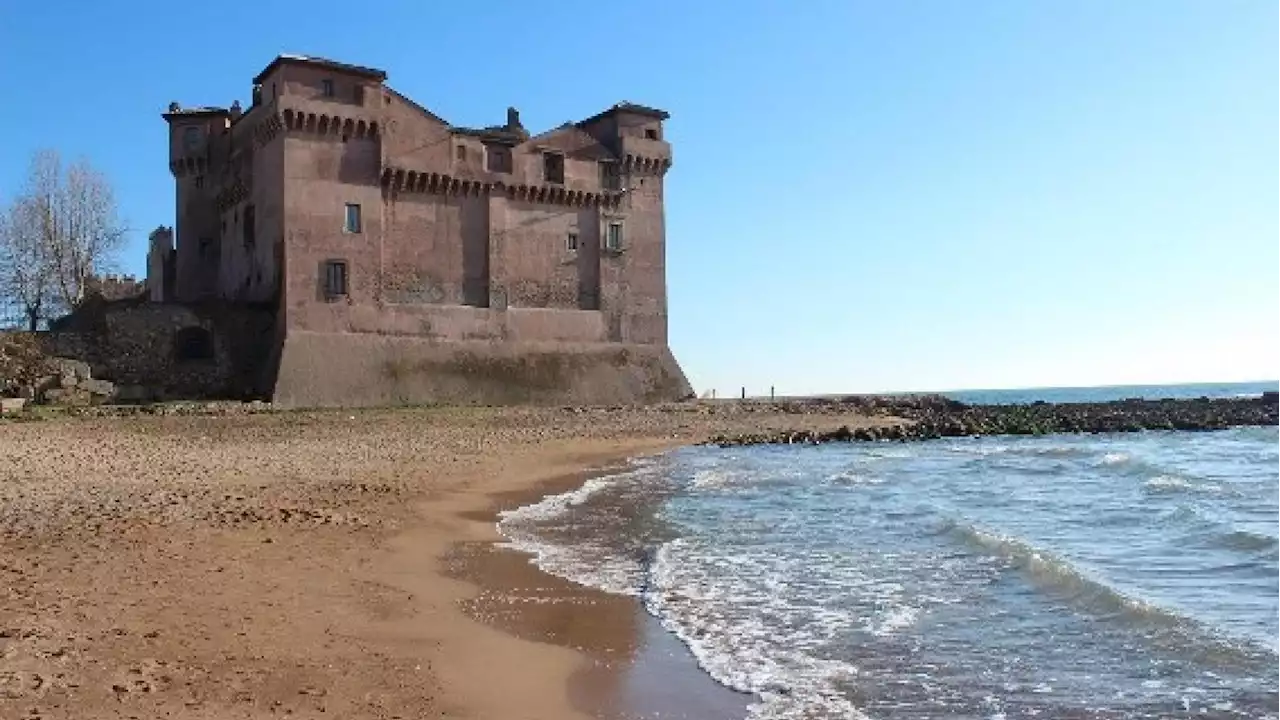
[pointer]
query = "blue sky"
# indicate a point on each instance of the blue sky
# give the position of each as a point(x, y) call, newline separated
point(866, 196)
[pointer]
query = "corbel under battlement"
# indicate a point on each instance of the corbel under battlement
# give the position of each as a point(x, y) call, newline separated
point(398, 180)
point(323, 124)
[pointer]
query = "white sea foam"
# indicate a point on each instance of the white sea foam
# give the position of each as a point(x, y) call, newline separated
point(1175, 483)
point(701, 597)
point(711, 478)
point(1115, 458)
point(849, 477)
point(581, 561)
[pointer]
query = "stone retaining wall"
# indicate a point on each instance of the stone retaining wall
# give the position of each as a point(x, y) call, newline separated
point(360, 369)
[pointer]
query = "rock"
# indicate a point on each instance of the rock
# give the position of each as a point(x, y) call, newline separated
point(76, 369)
point(12, 406)
point(102, 388)
point(68, 396)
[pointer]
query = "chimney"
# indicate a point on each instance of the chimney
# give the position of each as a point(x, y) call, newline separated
point(513, 118)
point(235, 110)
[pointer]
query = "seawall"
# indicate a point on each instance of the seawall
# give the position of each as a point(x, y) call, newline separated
point(319, 369)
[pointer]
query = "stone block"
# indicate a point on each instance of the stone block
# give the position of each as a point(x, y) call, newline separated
point(10, 406)
point(65, 367)
point(102, 388)
point(68, 396)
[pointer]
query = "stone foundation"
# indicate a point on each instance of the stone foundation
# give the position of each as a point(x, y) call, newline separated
point(361, 369)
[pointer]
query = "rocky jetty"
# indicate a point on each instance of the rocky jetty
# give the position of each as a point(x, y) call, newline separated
point(926, 417)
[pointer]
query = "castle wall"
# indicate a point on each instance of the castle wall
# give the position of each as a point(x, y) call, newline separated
point(333, 369)
point(472, 259)
point(322, 174)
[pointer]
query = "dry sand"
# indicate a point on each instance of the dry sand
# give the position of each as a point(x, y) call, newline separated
point(327, 564)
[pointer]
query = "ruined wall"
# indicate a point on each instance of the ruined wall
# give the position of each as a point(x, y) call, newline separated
point(156, 351)
point(329, 369)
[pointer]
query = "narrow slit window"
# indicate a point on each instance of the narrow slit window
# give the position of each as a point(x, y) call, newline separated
point(326, 87)
point(335, 278)
point(250, 236)
point(613, 237)
point(571, 241)
point(352, 221)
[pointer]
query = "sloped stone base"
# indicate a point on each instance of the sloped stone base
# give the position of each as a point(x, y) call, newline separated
point(368, 370)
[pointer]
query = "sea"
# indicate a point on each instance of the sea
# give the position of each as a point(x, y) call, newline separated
point(1089, 576)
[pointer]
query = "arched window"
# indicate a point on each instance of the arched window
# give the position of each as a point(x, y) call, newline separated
point(193, 343)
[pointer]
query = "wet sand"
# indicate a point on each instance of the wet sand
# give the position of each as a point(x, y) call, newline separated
point(328, 564)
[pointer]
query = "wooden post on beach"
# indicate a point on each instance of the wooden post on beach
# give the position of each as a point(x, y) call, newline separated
point(744, 392)
point(771, 397)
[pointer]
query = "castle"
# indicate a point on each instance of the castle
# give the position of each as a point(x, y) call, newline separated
point(408, 260)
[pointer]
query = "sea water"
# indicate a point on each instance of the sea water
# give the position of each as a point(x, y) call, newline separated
point(1091, 576)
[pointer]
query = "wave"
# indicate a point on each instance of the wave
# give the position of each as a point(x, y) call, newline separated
point(745, 653)
point(1246, 541)
point(581, 561)
point(1059, 576)
point(1076, 586)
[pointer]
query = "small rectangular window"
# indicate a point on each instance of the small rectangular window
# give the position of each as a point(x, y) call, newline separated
point(335, 278)
point(462, 153)
point(571, 241)
point(553, 167)
point(250, 236)
point(352, 223)
point(497, 158)
point(650, 134)
point(326, 86)
point(610, 177)
point(613, 237)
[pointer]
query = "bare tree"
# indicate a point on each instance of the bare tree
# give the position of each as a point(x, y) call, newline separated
point(27, 284)
point(60, 230)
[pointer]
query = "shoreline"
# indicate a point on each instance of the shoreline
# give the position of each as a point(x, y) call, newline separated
point(631, 666)
point(266, 564)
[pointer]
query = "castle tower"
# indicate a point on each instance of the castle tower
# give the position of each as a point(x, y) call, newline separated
point(633, 291)
point(160, 265)
point(194, 135)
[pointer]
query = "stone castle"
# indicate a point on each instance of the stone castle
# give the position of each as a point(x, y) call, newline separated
point(404, 259)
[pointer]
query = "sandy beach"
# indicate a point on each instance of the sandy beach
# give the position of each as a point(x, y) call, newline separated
point(327, 564)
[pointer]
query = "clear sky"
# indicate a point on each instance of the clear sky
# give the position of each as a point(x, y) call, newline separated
point(867, 196)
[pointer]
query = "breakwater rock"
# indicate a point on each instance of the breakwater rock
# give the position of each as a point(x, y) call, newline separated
point(929, 417)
